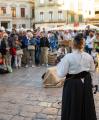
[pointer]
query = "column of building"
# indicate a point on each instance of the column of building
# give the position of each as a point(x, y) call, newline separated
point(27, 10)
point(8, 9)
point(18, 16)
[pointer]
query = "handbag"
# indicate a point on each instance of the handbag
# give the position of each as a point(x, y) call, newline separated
point(19, 52)
point(31, 47)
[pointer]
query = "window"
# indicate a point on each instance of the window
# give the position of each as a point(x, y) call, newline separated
point(33, 13)
point(50, 15)
point(41, 16)
point(60, 15)
point(22, 12)
point(13, 9)
point(3, 10)
point(41, 1)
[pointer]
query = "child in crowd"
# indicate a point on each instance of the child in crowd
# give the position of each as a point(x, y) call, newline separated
point(61, 53)
point(19, 52)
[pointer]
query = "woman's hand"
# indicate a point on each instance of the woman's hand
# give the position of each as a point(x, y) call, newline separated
point(95, 89)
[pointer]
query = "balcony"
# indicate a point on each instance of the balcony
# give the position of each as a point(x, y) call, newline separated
point(94, 21)
point(50, 21)
point(41, 4)
point(51, 3)
point(55, 3)
point(59, 3)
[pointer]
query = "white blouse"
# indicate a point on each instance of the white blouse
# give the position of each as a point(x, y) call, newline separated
point(90, 41)
point(76, 62)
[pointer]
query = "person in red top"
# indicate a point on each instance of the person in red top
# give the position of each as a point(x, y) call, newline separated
point(1, 61)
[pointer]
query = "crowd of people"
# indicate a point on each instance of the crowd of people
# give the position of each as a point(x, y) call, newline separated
point(30, 48)
point(75, 72)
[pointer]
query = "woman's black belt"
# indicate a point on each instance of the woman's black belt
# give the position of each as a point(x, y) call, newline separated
point(79, 75)
point(82, 75)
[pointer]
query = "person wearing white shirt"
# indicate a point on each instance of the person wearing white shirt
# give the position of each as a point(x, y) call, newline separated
point(67, 36)
point(79, 69)
point(90, 42)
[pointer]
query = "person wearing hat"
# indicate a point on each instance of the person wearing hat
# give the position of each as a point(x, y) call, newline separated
point(79, 69)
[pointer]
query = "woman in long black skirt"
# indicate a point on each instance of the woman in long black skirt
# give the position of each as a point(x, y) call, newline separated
point(79, 69)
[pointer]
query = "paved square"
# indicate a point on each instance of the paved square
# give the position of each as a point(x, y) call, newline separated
point(22, 97)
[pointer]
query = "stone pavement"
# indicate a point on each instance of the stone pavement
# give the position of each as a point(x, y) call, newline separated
point(22, 97)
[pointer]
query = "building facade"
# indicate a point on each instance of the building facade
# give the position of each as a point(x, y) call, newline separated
point(95, 19)
point(88, 9)
point(54, 13)
point(16, 13)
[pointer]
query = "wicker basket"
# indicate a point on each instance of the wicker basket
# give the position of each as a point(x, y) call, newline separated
point(52, 58)
point(65, 43)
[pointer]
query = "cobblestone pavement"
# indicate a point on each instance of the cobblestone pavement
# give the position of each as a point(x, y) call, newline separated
point(22, 97)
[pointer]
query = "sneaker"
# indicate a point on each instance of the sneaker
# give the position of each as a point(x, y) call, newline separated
point(33, 66)
point(26, 66)
point(47, 65)
point(42, 64)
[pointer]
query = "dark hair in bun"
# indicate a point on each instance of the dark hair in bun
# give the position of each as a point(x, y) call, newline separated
point(79, 41)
